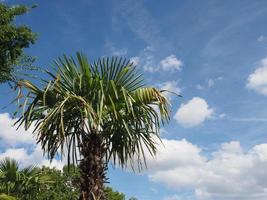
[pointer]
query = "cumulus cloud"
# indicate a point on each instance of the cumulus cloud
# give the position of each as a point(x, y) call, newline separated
point(257, 81)
point(228, 173)
point(171, 63)
point(193, 113)
point(26, 157)
point(148, 59)
point(9, 135)
point(21, 145)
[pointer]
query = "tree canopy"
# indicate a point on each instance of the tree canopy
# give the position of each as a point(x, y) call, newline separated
point(113, 195)
point(13, 40)
point(25, 183)
point(63, 184)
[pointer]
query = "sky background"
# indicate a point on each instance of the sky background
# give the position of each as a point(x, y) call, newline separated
point(212, 52)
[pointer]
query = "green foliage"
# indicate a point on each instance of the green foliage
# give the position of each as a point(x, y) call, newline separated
point(24, 183)
point(6, 197)
point(32, 183)
point(105, 101)
point(13, 40)
point(113, 195)
point(62, 185)
point(65, 185)
point(107, 97)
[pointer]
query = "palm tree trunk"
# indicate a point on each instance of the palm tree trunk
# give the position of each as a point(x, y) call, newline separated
point(93, 169)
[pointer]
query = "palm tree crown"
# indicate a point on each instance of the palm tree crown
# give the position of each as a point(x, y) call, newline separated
point(104, 103)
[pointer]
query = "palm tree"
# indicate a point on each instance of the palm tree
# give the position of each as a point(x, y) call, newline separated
point(23, 183)
point(95, 113)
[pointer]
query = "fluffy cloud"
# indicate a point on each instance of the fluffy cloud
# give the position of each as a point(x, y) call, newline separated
point(228, 173)
point(257, 81)
point(171, 63)
point(193, 113)
point(28, 153)
point(35, 157)
point(9, 135)
point(148, 59)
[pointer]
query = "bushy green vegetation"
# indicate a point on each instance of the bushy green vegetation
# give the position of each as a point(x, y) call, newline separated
point(33, 183)
point(13, 40)
point(113, 195)
point(64, 185)
point(24, 184)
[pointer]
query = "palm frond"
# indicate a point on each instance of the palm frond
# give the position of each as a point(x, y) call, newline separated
point(107, 97)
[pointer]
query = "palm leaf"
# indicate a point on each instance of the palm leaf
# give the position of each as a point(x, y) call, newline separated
point(107, 97)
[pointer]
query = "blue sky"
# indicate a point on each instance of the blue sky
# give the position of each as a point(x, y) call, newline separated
point(212, 52)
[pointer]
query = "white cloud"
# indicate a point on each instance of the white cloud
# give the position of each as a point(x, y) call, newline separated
point(171, 86)
point(193, 113)
point(257, 81)
point(228, 173)
point(30, 153)
point(167, 157)
point(147, 58)
point(9, 135)
point(171, 63)
point(34, 157)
